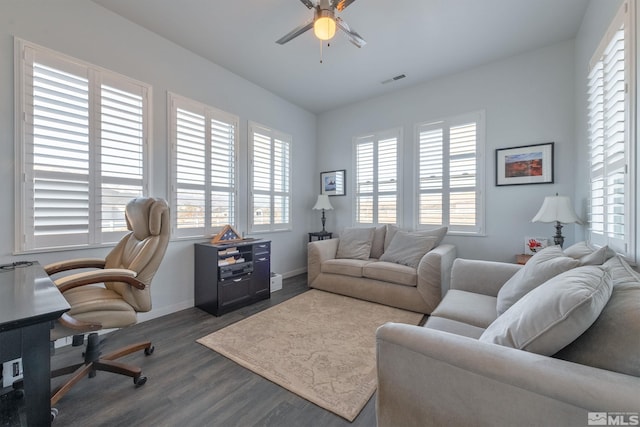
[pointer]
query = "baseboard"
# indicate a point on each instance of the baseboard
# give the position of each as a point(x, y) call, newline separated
point(170, 309)
point(295, 272)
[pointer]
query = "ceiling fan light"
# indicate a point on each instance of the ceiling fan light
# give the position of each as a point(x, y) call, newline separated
point(324, 28)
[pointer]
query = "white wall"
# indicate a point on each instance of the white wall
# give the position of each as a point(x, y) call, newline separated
point(528, 99)
point(88, 32)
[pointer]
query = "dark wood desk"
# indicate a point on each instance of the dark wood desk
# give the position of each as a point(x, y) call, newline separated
point(29, 301)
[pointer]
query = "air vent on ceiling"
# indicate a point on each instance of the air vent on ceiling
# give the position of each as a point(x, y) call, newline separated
point(393, 79)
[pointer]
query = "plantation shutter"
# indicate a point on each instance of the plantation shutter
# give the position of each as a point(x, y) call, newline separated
point(449, 177)
point(122, 140)
point(82, 150)
point(270, 204)
point(608, 118)
point(204, 167)
point(377, 176)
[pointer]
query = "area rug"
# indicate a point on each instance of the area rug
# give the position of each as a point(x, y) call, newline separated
point(319, 345)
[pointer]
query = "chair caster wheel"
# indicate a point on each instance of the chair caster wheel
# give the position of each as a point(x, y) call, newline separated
point(149, 351)
point(54, 414)
point(140, 381)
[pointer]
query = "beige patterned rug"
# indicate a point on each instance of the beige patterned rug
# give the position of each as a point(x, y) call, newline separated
point(319, 345)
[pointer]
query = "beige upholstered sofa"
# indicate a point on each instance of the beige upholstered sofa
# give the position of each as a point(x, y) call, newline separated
point(349, 267)
point(470, 366)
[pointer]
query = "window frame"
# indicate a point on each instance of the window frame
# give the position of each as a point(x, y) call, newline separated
point(25, 56)
point(375, 138)
point(273, 135)
point(174, 102)
point(479, 118)
point(626, 18)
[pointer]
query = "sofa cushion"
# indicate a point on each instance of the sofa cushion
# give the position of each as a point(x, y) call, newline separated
point(390, 272)
point(544, 265)
point(613, 342)
point(346, 267)
point(467, 307)
point(589, 255)
point(439, 233)
point(408, 248)
point(377, 244)
point(453, 327)
point(355, 243)
point(555, 313)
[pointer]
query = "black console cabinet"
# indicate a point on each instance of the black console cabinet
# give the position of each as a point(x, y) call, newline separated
point(229, 276)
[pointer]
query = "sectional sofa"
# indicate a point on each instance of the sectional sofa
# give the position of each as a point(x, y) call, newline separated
point(561, 347)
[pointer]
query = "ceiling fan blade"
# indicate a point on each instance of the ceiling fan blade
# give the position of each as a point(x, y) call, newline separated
point(295, 32)
point(342, 4)
point(308, 3)
point(354, 37)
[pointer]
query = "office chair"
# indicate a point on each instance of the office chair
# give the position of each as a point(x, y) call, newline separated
point(110, 295)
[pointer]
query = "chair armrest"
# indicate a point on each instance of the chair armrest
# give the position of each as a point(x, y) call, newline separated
point(430, 377)
point(481, 277)
point(318, 252)
point(72, 323)
point(73, 264)
point(434, 273)
point(99, 276)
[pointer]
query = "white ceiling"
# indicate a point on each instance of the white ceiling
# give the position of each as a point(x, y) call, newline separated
point(423, 39)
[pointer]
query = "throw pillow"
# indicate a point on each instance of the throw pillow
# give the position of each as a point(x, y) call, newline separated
point(588, 254)
point(377, 245)
point(612, 341)
point(438, 233)
point(355, 243)
point(391, 231)
point(544, 265)
point(554, 314)
point(408, 248)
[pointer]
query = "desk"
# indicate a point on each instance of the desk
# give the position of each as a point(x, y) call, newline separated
point(320, 235)
point(29, 301)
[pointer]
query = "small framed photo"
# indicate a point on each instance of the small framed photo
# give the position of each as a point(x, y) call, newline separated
point(532, 245)
point(529, 164)
point(333, 183)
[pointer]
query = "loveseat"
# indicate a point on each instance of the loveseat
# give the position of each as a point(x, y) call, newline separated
point(408, 270)
point(566, 352)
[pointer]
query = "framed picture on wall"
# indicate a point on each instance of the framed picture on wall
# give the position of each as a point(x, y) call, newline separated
point(528, 164)
point(333, 183)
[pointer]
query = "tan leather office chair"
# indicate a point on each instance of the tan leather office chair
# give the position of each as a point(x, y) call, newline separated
point(110, 295)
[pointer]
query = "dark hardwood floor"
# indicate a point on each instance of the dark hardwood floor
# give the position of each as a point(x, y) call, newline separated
point(189, 384)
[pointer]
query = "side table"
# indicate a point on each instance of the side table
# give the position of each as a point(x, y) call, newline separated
point(320, 235)
point(522, 258)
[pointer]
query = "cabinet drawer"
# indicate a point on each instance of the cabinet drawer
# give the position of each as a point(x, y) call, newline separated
point(261, 248)
point(234, 291)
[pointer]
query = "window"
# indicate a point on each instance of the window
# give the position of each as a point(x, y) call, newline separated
point(610, 93)
point(270, 169)
point(451, 174)
point(204, 169)
point(81, 150)
point(377, 186)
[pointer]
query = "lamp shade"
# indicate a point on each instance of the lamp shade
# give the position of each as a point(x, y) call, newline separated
point(556, 209)
point(322, 203)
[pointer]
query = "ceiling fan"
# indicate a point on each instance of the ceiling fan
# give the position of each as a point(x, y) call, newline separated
point(324, 22)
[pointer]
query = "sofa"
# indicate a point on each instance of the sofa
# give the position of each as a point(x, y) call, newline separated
point(566, 352)
point(408, 270)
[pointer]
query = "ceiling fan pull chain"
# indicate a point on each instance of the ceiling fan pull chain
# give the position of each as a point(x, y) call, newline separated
point(321, 51)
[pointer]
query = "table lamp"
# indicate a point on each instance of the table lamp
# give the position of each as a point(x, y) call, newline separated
point(323, 203)
point(557, 209)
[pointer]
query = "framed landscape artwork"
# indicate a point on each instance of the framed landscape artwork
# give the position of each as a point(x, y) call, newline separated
point(333, 183)
point(529, 164)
